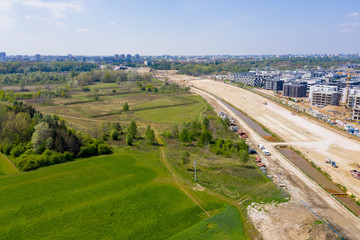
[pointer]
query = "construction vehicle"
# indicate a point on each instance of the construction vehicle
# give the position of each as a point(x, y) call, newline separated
point(251, 150)
point(333, 164)
point(327, 160)
point(242, 134)
point(355, 174)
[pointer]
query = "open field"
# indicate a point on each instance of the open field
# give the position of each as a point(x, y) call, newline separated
point(6, 167)
point(128, 195)
point(163, 109)
point(225, 225)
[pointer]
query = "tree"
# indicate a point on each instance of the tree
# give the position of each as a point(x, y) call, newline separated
point(175, 130)
point(22, 84)
point(114, 134)
point(107, 78)
point(184, 136)
point(129, 139)
point(117, 126)
point(16, 128)
point(185, 157)
point(150, 135)
point(126, 107)
point(132, 129)
point(205, 138)
point(40, 136)
point(244, 156)
point(206, 123)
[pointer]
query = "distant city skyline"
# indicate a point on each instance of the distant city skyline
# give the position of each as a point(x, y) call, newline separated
point(179, 27)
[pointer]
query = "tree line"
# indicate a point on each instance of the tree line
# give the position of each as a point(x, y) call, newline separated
point(28, 67)
point(35, 140)
point(245, 65)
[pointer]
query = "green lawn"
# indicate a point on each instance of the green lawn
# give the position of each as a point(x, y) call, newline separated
point(121, 196)
point(6, 167)
point(225, 225)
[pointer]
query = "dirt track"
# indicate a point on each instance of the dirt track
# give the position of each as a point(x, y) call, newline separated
point(289, 220)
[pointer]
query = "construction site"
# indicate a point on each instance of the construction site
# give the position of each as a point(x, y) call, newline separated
point(289, 138)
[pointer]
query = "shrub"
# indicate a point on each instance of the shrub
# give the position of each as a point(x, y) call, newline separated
point(17, 150)
point(7, 149)
point(104, 149)
point(129, 139)
point(87, 151)
point(114, 134)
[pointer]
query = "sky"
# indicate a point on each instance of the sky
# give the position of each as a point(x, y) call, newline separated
point(179, 27)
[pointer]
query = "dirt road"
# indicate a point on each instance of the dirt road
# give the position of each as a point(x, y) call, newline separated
point(289, 220)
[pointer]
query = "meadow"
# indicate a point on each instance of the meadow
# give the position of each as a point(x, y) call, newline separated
point(127, 195)
point(6, 167)
point(131, 194)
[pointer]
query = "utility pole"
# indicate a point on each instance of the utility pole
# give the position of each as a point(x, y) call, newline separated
point(195, 169)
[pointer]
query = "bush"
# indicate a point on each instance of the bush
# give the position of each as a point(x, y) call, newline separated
point(7, 149)
point(104, 149)
point(114, 134)
point(129, 139)
point(87, 151)
point(17, 150)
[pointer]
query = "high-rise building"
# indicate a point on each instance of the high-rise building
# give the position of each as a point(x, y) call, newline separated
point(137, 58)
point(295, 89)
point(323, 95)
point(37, 57)
point(128, 57)
point(274, 84)
point(2, 56)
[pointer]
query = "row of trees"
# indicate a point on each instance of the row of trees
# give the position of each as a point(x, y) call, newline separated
point(28, 67)
point(106, 76)
point(246, 64)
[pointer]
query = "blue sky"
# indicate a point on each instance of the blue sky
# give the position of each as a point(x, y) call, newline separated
point(179, 27)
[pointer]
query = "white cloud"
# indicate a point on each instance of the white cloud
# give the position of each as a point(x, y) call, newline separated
point(60, 23)
point(111, 23)
point(353, 14)
point(351, 24)
point(82, 30)
point(30, 17)
point(57, 9)
point(6, 23)
point(6, 5)
point(347, 30)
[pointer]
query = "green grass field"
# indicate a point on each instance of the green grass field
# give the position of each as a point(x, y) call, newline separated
point(6, 167)
point(121, 196)
point(225, 225)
